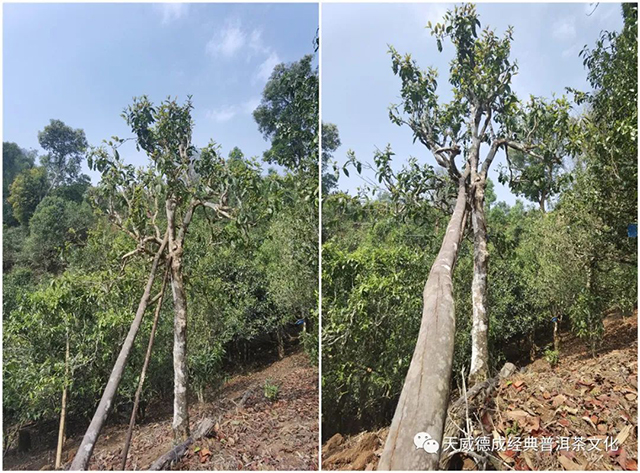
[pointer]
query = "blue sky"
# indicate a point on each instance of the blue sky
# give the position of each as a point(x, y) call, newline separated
point(83, 63)
point(358, 84)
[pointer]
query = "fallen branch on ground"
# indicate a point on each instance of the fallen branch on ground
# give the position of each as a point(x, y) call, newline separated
point(461, 411)
point(203, 430)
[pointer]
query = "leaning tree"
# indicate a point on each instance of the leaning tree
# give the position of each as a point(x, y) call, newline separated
point(483, 112)
point(155, 206)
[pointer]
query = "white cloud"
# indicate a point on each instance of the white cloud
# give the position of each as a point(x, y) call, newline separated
point(226, 113)
point(564, 29)
point(228, 41)
point(265, 69)
point(256, 43)
point(171, 12)
point(223, 114)
point(234, 40)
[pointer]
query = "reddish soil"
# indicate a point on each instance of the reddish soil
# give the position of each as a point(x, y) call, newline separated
point(257, 435)
point(581, 396)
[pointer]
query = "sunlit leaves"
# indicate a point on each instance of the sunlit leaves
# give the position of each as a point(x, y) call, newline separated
point(550, 132)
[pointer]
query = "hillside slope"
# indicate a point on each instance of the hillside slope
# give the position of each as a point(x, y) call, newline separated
point(251, 435)
point(581, 397)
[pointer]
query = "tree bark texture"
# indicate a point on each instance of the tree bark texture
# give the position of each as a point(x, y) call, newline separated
point(480, 329)
point(422, 406)
point(180, 375)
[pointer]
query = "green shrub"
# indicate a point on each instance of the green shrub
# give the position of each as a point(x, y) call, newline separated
point(271, 390)
point(552, 356)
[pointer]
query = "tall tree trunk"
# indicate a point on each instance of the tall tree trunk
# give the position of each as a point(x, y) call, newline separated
point(479, 371)
point(422, 406)
point(81, 460)
point(180, 376)
point(143, 372)
point(63, 409)
point(180, 401)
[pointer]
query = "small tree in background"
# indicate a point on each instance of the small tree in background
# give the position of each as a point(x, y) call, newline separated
point(14, 161)
point(65, 149)
point(27, 190)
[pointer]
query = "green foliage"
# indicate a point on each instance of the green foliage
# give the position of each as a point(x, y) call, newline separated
point(14, 161)
point(27, 190)
point(34, 340)
point(480, 75)
point(12, 245)
point(540, 176)
point(56, 227)
point(373, 277)
point(65, 150)
point(289, 250)
point(288, 116)
point(271, 390)
point(552, 356)
point(330, 143)
point(609, 135)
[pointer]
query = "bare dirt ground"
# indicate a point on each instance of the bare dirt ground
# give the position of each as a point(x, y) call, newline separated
point(255, 435)
point(580, 397)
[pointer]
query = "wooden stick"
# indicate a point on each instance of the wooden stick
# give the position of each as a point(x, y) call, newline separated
point(63, 409)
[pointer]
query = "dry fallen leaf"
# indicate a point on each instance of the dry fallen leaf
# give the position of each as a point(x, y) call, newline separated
point(528, 460)
point(590, 422)
point(528, 422)
point(507, 455)
point(204, 453)
point(468, 464)
point(558, 400)
point(624, 433)
point(568, 464)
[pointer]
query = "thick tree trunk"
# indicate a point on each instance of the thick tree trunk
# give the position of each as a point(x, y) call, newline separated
point(81, 460)
point(143, 372)
point(480, 329)
point(422, 406)
point(180, 401)
point(63, 408)
point(180, 377)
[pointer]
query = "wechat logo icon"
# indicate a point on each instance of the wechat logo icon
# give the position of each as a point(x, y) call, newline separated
point(423, 440)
